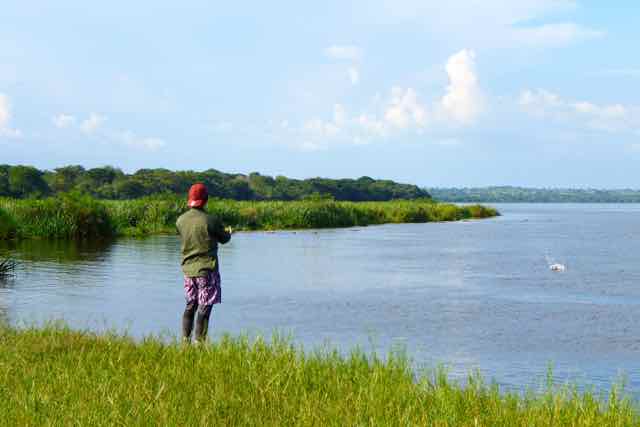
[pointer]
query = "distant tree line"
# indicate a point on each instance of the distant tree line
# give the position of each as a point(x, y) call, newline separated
point(112, 183)
point(509, 194)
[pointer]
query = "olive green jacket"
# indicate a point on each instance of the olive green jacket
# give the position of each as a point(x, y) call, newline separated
point(200, 234)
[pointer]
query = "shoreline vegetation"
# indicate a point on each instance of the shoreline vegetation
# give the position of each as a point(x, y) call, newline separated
point(57, 376)
point(78, 216)
point(509, 194)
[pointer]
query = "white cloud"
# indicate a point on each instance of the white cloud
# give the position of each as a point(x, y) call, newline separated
point(63, 121)
point(131, 139)
point(401, 112)
point(539, 102)
point(88, 125)
point(93, 123)
point(371, 126)
point(5, 119)
point(609, 117)
point(354, 75)
point(463, 101)
point(320, 128)
point(344, 52)
point(318, 132)
point(404, 110)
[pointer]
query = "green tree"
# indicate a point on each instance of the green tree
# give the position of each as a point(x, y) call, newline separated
point(127, 188)
point(111, 183)
point(27, 181)
point(65, 178)
point(238, 189)
point(4, 180)
point(104, 175)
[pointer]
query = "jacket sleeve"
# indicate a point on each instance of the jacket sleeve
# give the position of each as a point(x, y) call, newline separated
point(216, 229)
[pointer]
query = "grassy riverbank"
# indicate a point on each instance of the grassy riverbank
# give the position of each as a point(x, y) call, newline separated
point(77, 216)
point(55, 376)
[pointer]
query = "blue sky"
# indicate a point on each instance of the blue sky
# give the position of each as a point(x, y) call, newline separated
point(456, 93)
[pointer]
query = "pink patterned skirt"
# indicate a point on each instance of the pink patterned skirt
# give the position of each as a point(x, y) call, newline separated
point(206, 290)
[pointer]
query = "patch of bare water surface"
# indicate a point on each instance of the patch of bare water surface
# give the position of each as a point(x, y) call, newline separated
point(469, 295)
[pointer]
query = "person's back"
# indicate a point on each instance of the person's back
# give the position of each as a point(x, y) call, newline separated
point(200, 234)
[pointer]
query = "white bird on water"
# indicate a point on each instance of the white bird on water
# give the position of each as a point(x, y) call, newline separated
point(555, 266)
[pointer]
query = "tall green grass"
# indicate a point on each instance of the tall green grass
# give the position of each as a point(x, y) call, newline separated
point(8, 225)
point(64, 216)
point(56, 376)
point(70, 216)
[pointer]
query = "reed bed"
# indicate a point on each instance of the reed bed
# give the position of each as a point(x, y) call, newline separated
point(77, 216)
point(8, 225)
point(65, 216)
point(56, 376)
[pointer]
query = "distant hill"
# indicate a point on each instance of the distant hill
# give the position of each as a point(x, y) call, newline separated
point(112, 183)
point(534, 195)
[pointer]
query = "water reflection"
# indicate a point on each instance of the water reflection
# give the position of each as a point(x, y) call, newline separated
point(59, 251)
point(6, 282)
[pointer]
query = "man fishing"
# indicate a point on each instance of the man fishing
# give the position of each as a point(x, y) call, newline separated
point(200, 234)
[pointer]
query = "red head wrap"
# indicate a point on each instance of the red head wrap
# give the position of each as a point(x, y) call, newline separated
point(198, 196)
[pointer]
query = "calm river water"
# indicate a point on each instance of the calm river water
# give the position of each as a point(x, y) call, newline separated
point(467, 295)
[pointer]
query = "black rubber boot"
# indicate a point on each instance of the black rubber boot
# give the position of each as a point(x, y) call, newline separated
point(202, 323)
point(187, 320)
